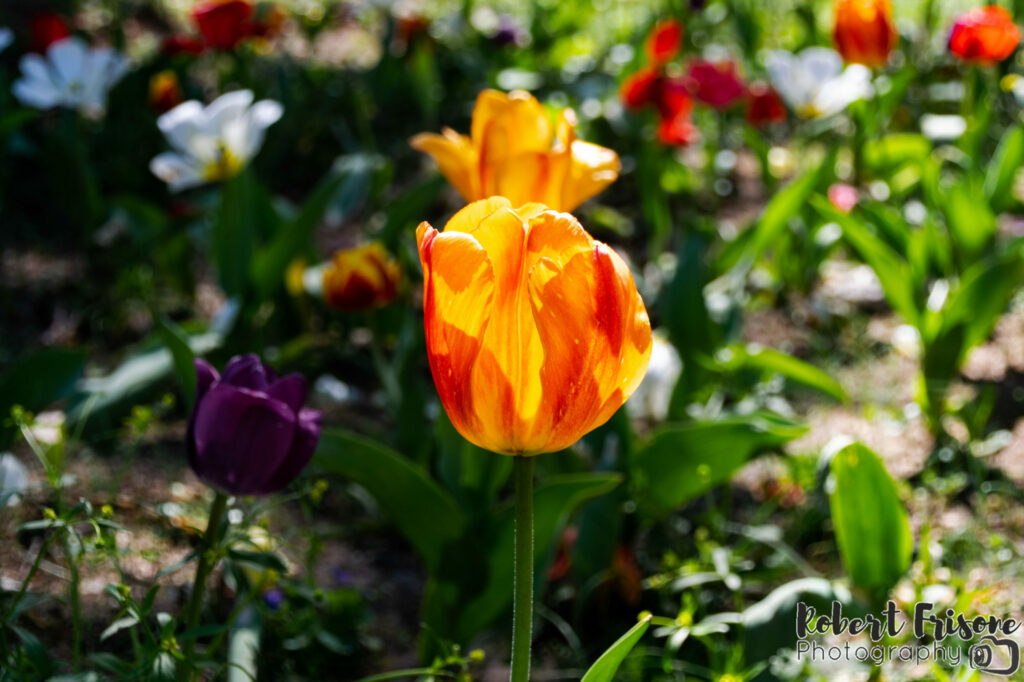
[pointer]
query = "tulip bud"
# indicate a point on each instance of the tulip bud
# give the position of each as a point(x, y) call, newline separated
point(164, 91)
point(536, 333)
point(984, 35)
point(249, 433)
point(361, 278)
point(864, 32)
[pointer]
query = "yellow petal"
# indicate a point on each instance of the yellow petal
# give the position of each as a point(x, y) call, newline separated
point(457, 292)
point(456, 157)
point(592, 169)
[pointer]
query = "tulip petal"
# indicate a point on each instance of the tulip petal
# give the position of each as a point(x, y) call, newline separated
point(290, 390)
point(455, 157)
point(182, 124)
point(307, 435)
point(241, 438)
point(68, 58)
point(36, 93)
point(227, 107)
point(517, 116)
point(205, 376)
point(248, 371)
point(177, 171)
point(458, 290)
point(556, 237)
point(596, 338)
point(506, 126)
point(592, 169)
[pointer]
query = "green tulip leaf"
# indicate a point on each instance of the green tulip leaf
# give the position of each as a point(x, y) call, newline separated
point(184, 359)
point(426, 515)
point(1003, 168)
point(773, 361)
point(871, 524)
point(607, 665)
point(681, 463)
point(892, 269)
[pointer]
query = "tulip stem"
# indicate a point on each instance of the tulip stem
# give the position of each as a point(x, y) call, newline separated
point(522, 589)
point(207, 562)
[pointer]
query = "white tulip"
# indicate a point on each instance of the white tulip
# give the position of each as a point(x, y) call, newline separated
point(814, 84)
point(72, 75)
point(214, 142)
point(6, 38)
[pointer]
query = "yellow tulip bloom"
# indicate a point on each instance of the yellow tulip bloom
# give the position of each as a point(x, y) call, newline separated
point(515, 151)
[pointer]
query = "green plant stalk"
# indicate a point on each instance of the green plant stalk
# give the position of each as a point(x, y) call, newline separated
point(75, 598)
point(522, 581)
point(203, 570)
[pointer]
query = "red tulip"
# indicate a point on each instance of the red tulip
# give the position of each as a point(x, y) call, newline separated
point(663, 42)
point(640, 88)
point(984, 35)
point(223, 23)
point(679, 129)
point(47, 28)
point(714, 84)
point(764, 106)
point(675, 108)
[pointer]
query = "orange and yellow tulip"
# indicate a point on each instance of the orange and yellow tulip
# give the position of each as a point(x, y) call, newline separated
point(864, 32)
point(515, 151)
point(536, 333)
point(361, 278)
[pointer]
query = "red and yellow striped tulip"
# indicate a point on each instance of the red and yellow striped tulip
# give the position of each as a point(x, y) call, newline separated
point(864, 32)
point(515, 151)
point(361, 278)
point(536, 333)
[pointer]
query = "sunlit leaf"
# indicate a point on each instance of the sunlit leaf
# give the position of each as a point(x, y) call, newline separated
point(871, 523)
point(607, 665)
point(680, 463)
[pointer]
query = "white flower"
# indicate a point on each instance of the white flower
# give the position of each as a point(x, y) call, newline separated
point(72, 75)
point(214, 142)
point(6, 38)
point(814, 84)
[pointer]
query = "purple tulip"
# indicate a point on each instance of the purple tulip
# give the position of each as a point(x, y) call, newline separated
point(249, 433)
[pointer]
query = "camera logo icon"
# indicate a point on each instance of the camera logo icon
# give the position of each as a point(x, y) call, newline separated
point(983, 657)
